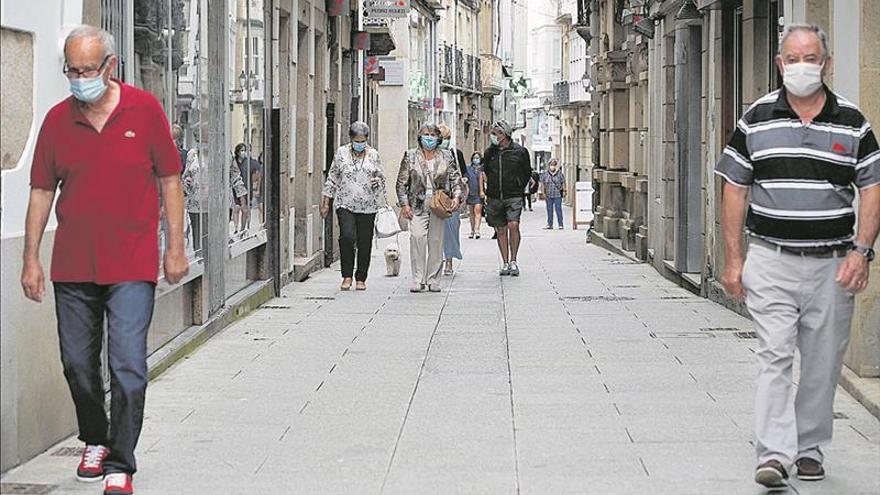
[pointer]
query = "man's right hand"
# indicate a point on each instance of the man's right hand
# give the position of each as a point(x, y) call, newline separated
point(406, 212)
point(33, 281)
point(731, 279)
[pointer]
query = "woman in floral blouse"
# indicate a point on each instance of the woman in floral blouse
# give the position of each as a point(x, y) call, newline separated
point(355, 188)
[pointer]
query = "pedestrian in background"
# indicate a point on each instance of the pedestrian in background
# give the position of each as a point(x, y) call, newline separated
point(195, 192)
point(237, 198)
point(552, 188)
point(508, 170)
point(355, 188)
point(476, 194)
point(794, 161)
point(106, 250)
point(423, 171)
point(452, 235)
point(177, 135)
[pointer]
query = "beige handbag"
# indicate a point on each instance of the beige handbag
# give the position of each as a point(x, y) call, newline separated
point(441, 203)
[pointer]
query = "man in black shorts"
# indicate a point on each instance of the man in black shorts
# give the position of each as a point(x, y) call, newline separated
point(508, 169)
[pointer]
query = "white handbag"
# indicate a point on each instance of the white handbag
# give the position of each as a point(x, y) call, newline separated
point(386, 223)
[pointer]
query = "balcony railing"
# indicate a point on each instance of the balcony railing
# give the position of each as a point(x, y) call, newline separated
point(459, 69)
point(560, 94)
point(460, 72)
point(447, 72)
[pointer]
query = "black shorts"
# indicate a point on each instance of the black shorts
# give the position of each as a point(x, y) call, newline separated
point(501, 211)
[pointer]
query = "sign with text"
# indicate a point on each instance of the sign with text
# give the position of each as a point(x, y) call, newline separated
point(394, 74)
point(386, 8)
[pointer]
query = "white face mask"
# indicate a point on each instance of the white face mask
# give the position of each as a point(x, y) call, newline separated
point(802, 79)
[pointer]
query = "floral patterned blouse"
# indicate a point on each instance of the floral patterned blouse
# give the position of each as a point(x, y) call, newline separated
point(348, 181)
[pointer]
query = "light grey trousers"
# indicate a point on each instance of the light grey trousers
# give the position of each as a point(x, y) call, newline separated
point(426, 247)
point(796, 304)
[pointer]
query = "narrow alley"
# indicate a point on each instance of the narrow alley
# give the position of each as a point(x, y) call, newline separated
point(587, 374)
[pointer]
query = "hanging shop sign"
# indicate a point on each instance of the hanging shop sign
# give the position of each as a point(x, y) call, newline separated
point(371, 65)
point(360, 40)
point(338, 7)
point(394, 9)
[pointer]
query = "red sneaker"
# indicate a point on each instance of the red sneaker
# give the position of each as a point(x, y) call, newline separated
point(118, 484)
point(91, 465)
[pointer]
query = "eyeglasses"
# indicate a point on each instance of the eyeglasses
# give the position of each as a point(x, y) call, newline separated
point(74, 73)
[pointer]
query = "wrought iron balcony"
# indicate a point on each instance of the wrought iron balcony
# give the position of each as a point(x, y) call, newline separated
point(447, 72)
point(561, 94)
point(459, 69)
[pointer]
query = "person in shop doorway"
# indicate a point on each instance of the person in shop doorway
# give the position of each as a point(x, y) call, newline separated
point(106, 251)
point(508, 170)
point(355, 188)
point(791, 170)
point(552, 189)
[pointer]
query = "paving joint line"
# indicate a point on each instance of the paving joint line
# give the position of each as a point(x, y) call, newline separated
point(416, 386)
point(510, 386)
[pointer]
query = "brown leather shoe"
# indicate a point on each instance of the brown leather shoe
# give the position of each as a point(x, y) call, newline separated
point(772, 475)
point(346, 284)
point(809, 469)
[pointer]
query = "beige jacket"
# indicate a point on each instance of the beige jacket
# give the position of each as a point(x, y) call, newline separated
point(413, 174)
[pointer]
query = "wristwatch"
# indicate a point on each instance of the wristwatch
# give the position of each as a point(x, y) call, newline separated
point(865, 251)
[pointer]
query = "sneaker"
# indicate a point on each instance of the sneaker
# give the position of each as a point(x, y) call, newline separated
point(772, 475)
point(505, 270)
point(561, 227)
point(471, 235)
point(118, 484)
point(809, 469)
point(434, 288)
point(514, 269)
point(549, 227)
point(91, 465)
point(477, 235)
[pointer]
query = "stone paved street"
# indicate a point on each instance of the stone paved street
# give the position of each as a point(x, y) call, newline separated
point(587, 374)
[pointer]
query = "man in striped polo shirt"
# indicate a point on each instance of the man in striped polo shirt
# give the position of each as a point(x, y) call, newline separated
point(801, 152)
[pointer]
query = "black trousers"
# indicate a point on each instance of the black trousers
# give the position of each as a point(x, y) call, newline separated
point(355, 234)
point(528, 198)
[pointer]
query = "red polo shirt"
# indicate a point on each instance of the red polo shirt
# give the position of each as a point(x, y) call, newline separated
point(108, 208)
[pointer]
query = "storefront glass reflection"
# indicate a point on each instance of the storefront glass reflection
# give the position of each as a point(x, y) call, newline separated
point(246, 193)
point(166, 62)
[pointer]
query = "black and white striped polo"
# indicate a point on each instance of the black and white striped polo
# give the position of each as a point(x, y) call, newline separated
point(801, 176)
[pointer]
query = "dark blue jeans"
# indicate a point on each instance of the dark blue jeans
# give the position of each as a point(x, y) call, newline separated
point(80, 308)
point(554, 204)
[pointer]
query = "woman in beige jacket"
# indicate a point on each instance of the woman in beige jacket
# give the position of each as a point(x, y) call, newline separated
point(423, 170)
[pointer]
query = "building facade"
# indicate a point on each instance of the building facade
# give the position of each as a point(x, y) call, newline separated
point(671, 80)
point(571, 99)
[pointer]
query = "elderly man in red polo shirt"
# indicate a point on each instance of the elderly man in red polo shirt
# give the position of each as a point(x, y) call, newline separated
point(108, 147)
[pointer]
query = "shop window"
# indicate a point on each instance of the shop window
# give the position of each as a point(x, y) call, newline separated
point(164, 59)
point(247, 207)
